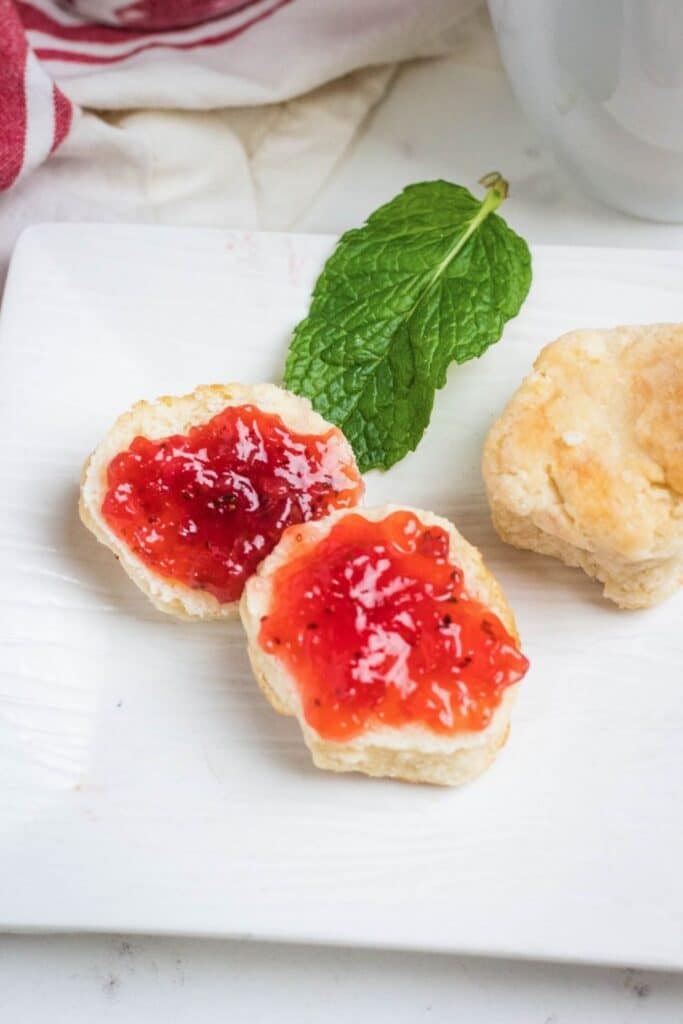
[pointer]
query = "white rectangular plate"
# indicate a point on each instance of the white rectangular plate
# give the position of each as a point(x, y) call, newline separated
point(145, 783)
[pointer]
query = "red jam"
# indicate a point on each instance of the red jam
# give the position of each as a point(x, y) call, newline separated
point(205, 508)
point(375, 625)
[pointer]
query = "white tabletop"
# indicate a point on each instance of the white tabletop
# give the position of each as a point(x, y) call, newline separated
point(454, 119)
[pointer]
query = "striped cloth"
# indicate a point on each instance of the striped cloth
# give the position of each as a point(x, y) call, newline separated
point(137, 28)
point(187, 54)
point(35, 116)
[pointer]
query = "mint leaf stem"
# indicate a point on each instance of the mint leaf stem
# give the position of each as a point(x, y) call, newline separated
point(497, 192)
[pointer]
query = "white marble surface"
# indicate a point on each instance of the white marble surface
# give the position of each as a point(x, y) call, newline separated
point(454, 119)
point(98, 979)
point(457, 119)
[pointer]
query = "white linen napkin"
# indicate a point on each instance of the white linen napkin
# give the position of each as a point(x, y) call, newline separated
point(228, 119)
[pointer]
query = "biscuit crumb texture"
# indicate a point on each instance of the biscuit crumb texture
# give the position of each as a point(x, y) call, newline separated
point(586, 462)
point(413, 753)
point(176, 415)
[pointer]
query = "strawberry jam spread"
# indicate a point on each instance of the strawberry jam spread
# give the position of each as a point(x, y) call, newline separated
point(375, 625)
point(206, 507)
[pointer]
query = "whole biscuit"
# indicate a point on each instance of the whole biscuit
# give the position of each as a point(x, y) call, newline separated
point(586, 462)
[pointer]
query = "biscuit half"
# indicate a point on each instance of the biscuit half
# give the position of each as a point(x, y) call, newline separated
point(171, 415)
point(412, 752)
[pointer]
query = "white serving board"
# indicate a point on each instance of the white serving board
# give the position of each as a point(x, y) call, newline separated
point(145, 785)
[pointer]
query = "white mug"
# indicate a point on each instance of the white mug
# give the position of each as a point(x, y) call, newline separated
point(603, 82)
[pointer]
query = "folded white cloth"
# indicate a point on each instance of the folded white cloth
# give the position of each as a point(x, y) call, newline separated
point(234, 116)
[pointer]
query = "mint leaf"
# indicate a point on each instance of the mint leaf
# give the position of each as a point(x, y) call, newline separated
point(431, 278)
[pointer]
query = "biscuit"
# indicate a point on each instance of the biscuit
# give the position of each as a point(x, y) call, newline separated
point(586, 462)
point(413, 752)
point(172, 415)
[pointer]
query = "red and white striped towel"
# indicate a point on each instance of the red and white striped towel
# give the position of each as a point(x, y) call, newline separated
point(217, 148)
point(35, 116)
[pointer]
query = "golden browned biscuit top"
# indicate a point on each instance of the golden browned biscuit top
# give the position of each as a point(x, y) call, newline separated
point(591, 445)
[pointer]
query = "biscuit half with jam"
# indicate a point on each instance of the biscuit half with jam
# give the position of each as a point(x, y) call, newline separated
point(384, 634)
point(191, 492)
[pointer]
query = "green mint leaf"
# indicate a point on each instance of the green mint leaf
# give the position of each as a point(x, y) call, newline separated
point(431, 278)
